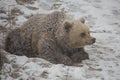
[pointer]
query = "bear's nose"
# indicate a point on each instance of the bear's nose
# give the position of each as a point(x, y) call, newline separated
point(93, 40)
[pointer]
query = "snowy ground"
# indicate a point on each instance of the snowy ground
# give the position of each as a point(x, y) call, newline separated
point(103, 19)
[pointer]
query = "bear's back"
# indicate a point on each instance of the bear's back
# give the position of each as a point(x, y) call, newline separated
point(36, 25)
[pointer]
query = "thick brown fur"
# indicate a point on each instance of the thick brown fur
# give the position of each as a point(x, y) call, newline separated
point(46, 37)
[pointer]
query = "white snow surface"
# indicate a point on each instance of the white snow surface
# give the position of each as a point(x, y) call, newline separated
point(103, 19)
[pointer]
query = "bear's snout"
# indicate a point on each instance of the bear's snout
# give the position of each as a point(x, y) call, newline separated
point(93, 40)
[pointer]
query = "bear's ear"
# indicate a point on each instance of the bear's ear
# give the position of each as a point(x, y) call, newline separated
point(82, 20)
point(68, 25)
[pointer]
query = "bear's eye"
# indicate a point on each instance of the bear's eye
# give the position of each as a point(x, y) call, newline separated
point(82, 34)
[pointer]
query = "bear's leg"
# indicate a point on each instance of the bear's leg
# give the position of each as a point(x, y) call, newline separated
point(47, 49)
point(13, 43)
point(79, 55)
point(57, 58)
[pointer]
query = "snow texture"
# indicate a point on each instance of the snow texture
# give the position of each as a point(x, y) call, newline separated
point(103, 19)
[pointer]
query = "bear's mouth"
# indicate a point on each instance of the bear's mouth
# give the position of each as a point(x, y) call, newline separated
point(93, 40)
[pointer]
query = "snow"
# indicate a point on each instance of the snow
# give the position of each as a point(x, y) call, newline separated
point(103, 19)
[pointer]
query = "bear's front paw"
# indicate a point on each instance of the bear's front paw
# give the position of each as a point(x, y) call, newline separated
point(64, 60)
point(67, 61)
point(79, 56)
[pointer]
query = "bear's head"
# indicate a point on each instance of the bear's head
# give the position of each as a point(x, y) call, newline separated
point(79, 34)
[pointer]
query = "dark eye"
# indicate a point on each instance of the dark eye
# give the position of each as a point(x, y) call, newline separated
point(82, 34)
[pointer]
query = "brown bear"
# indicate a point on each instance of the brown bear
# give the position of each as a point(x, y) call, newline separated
point(55, 37)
